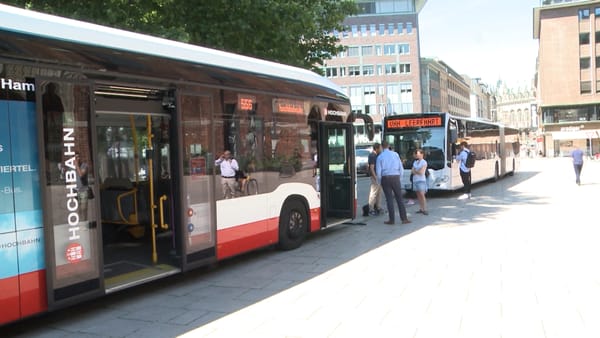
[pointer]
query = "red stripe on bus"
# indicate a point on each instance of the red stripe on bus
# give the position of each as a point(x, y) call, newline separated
point(243, 238)
point(9, 298)
point(33, 293)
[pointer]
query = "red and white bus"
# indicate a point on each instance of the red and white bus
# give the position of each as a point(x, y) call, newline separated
point(439, 134)
point(149, 117)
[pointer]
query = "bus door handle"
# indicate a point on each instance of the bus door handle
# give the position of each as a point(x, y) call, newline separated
point(162, 199)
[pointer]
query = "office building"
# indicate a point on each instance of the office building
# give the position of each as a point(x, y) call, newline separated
point(568, 75)
point(380, 69)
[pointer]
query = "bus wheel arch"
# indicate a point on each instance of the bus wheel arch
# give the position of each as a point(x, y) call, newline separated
point(293, 223)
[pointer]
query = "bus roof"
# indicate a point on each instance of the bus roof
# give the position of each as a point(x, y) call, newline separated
point(52, 27)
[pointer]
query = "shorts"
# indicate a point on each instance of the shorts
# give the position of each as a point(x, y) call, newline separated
point(420, 186)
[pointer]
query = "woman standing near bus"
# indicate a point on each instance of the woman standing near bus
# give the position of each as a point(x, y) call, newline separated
point(419, 170)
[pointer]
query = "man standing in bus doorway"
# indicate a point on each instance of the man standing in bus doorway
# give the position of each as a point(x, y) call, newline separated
point(577, 155)
point(228, 167)
point(389, 172)
point(375, 192)
point(465, 172)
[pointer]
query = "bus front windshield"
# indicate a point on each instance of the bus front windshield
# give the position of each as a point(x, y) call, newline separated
point(431, 140)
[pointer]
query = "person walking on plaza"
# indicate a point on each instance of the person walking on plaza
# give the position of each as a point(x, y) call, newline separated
point(228, 167)
point(375, 192)
point(419, 170)
point(389, 172)
point(465, 172)
point(577, 155)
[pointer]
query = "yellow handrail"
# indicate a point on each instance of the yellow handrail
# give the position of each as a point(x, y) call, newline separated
point(163, 225)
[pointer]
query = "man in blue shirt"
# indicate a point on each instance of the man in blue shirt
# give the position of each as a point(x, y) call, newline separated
point(465, 172)
point(577, 155)
point(389, 172)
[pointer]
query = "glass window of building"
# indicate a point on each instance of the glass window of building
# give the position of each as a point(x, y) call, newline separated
point(584, 62)
point(381, 29)
point(369, 90)
point(584, 38)
point(409, 28)
point(403, 49)
point(368, 70)
point(586, 87)
point(354, 30)
point(378, 50)
point(367, 50)
point(331, 71)
point(373, 29)
point(391, 68)
point(391, 29)
point(366, 7)
point(404, 68)
point(352, 51)
point(389, 49)
point(597, 11)
point(354, 70)
point(584, 14)
point(343, 71)
point(379, 70)
point(363, 30)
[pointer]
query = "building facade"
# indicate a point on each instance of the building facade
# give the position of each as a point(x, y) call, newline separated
point(380, 68)
point(568, 75)
point(443, 89)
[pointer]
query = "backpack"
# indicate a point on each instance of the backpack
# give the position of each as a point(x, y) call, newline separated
point(471, 157)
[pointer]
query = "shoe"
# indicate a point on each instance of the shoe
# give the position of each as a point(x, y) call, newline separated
point(389, 222)
point(463, 196)
point(410, 202)
point(420, 211)
point(406, 221)
point(373, 213)
point(425, 213)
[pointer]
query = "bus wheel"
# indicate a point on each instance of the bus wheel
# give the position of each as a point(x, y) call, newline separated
point(293, 224)
point(496, 173)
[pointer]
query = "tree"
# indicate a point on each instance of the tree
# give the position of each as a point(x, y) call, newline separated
point(294, 32)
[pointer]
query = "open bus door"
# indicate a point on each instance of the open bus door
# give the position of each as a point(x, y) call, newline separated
point(71, 219)
point(337, 171)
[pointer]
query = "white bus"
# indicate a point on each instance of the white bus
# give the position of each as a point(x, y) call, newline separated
point(439, 135)
point(149, 117)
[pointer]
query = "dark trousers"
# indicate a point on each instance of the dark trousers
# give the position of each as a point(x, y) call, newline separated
point(393, 191)
point(466, 179)
point(578, 168)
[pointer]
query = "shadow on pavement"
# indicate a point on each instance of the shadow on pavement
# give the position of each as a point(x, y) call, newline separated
point(207, 294)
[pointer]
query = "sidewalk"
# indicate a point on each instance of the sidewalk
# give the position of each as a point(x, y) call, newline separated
point(520, 259)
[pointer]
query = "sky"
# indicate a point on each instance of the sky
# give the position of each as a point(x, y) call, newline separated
point(487, 39)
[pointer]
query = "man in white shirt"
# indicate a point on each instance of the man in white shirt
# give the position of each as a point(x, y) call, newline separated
point(228, 167)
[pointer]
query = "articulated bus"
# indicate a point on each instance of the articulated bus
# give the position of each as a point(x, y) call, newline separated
point(148, 118)
point(439, 135)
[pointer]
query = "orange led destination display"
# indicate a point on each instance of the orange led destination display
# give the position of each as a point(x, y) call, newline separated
point(415, 122)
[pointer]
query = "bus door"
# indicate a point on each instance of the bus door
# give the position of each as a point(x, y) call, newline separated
point(136, 200)
point(337, 172)
point(71, 218)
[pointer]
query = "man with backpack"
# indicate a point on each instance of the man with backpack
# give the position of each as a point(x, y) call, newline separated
point(465, 157)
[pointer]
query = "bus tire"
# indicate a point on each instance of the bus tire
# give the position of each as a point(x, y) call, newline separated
point(293, 224)
point(496, 173)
